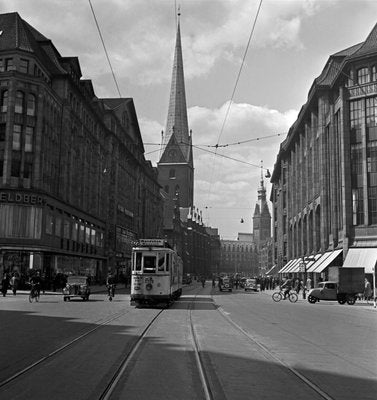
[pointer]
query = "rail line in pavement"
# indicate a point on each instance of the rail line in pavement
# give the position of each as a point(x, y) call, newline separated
point(266, 351)
point(129, 357)
point(30, 367)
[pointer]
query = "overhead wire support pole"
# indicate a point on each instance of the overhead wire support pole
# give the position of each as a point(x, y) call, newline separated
point(104, 47)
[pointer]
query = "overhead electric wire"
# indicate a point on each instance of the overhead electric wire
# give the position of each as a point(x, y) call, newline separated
point(240, 70)
point(235, 88)
point(104, 47)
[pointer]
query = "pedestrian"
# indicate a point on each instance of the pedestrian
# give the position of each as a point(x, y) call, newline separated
point(367, 290)
point(14, 281)
point(5, 284)
point(308, 283)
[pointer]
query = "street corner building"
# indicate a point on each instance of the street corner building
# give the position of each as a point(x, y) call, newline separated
point(76, 190)
point(324, 190)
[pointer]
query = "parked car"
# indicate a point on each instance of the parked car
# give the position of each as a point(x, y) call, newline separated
point(251, 284)
point(77, 286)
point(225, 283)
point(243, 282)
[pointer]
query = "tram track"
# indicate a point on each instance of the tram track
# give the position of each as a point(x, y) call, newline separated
point(133, 351)
point(59, 350)
point(264, 349)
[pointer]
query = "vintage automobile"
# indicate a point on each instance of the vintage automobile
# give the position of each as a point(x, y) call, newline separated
point(225, 283)
point(329, 291)
point(77, 286)
point(251, 284)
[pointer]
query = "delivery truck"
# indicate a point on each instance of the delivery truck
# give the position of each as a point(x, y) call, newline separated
point(343, 285)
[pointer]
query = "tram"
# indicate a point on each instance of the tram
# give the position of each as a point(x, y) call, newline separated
point(157, 273)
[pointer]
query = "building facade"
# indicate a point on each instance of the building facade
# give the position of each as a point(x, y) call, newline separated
point(75, 187)
point(239, 256)
point(325, 178)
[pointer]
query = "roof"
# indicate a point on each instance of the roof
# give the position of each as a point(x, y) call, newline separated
point(19, 35)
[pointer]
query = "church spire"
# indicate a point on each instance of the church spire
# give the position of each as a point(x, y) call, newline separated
point(176, 124)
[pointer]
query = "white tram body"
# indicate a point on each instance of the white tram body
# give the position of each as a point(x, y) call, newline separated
point(156, 273)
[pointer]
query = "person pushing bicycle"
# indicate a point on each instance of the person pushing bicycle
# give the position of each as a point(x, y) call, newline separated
point(287, 285)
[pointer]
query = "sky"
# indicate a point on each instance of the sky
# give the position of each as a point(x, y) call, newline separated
point(243, 90)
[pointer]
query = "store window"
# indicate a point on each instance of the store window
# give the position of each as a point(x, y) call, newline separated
point(50, 223)
point(18, 221)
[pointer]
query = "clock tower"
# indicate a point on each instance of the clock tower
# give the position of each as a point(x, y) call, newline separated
point(176, 167)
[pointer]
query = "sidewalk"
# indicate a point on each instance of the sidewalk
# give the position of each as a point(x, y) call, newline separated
point(93, 289)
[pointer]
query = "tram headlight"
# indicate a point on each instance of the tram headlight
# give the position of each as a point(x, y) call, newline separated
point(148, 286)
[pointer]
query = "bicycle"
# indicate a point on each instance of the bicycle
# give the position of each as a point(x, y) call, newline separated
point(34, 293)
point(111, 291)
point(292, 296)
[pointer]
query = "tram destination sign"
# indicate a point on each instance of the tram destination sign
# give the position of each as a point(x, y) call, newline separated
point(151, 242)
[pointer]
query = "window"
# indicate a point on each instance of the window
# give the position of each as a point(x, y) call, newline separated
point(19, 104)
point(27, 170)
point(149, 264)
point(1, 65)
point(24, 66)
point(2, 132)
point(363, 75)
point(138, 257)
point(66, 229)
point(18, 221)
point(15, 169)
point(58, 226)
point(374, 73)
point(16, 137)
point(29, 133)
point(372, 205)
point(166, 188)
point(172, 174)
point(9, 66)
point(4, 101)
point(30, 109)
point(49, 223)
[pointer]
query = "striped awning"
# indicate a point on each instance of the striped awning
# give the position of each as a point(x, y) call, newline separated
point(359, 257)
point(324, 261)
point(286, 266)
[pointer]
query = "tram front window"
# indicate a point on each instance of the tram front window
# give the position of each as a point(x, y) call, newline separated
point(150, 264)
point(161, 262)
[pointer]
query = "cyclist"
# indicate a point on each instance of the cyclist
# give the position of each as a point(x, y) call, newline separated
point(287, 285)
point(110, 283)
point(36, 280)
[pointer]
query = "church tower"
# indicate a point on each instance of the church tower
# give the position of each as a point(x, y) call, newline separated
point(176, 166)
point(262, 217)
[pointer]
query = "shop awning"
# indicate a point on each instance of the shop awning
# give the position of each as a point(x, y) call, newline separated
point(323, 262)
point(272, 270)
point(295, 265)
point(286, 266)
point(366, 258)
